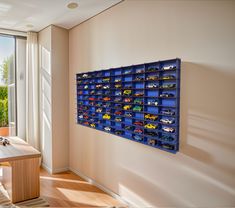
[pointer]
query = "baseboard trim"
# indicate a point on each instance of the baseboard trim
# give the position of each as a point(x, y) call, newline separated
point(49, 170)
point(60, 170)
point(103, 188)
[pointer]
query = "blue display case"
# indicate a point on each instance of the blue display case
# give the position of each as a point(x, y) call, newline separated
point(139, 102)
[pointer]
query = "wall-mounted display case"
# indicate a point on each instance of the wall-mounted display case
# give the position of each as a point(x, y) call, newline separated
point(139, 102)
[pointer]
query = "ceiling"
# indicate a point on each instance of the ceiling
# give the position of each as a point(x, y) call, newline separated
point(34, 15)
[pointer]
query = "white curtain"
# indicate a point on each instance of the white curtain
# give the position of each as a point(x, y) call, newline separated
point(32, 91)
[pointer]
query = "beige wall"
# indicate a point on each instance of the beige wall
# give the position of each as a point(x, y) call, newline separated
point(202, 34)
point(53, 61)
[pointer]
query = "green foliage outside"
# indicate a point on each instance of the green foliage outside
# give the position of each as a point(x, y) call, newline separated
point(4, 68)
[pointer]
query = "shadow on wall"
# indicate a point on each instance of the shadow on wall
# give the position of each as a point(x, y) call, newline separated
point(207, 116)
point(202, 173)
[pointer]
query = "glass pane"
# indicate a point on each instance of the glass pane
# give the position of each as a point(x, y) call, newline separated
point(7, 86)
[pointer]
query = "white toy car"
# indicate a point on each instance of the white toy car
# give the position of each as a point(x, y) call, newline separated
point(168, 129)
point(167, 121)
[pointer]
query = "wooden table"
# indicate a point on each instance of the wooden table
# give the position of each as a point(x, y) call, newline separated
point(21, 166)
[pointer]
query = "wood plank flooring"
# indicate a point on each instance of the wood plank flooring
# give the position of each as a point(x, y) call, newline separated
point(69, 190)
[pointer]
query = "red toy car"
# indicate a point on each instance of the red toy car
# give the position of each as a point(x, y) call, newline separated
point(140, 131)
point(118, 113)
point(138, 123)
point(91, 98)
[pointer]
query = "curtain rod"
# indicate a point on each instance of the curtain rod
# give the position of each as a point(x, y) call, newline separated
point(13, 32)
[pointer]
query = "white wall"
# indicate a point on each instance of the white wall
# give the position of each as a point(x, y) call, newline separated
point(201, 33)
point(53, 59)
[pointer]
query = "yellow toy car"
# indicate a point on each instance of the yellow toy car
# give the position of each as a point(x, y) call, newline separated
point(150, 117)
point(127, 92)
point(106, 116)
point(150, 126)
point(127, 107)
point(92, 125)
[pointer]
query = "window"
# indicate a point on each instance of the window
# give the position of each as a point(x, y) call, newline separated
point(12, 70)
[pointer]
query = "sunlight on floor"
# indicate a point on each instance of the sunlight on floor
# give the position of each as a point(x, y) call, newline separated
point(62, 179)
point(83, 196)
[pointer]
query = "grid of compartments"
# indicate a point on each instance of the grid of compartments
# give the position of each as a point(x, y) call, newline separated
point(139, 102)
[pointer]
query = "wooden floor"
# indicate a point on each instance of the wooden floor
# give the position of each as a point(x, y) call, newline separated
point(69, 190)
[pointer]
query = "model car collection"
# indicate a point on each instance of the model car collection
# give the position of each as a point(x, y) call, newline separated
point(167, 121)
point(132, 102)
point(150, 117)
point(168, 112)
point(127, 92)
point(168, 77)
point(127, 107)
point(150, 126)
point(152, 86)
point(168, 129)
point(153, 102)
point(106, 116)
point(166, 95)
point(152, 142)
point(137, 108)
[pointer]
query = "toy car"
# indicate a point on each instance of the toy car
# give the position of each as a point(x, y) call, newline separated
point(80, 92)
point(118, 93)
point(85, 75)
point(152, 86)
point(152, 142)
point(127, 100)
point(86, 87)
point(150, 126)
point(106, 87)
point(168, 77)
point(168, 146)
point(92, 92)
point(106, 105)
point(91, 99)
point(168, 129)
point(92, 125)
point(167, 138)
point(151, 133)
point(150, 117)
point(127, 72)
point(139, 79)
point(153, 102)
point(93, 114)
point(138, 123)
point(106, 79)
point(118, 106)
point(169, 67)
point(127, 92)
point(168, 86)
point(86, 123)
point(117, 86)
point(152, 77)
point(140, 131)
point(118, 113)
point(138, 101)
point(106, 98)
point(106, 116)
point(166, 95)
point(98, 86)
point(167, 112)
point(117, 99)
point(138, 71)
point(167, 121)
point(117, 80)
point(118, 119)
point(138, 138)
point(98, 110)
point(118, 132)
point(127, 107)
point(139, 94)
point(107, 128)
point(137, 108)
point(80, 116)
point(85, 117)
point(92, 103)
point(98, 104)
point(128, 128)
point(107, 93)
point(152, 69)
point(128, 114)
point(99, 93)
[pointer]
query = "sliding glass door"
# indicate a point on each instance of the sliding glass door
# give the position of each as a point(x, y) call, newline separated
point(7, 86)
